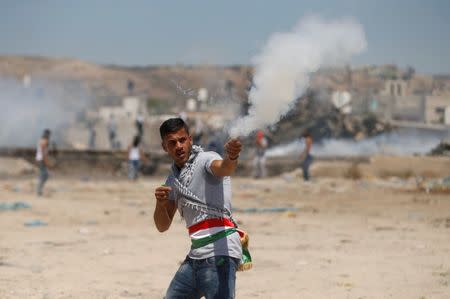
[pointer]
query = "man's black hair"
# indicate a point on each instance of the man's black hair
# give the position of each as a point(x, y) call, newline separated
point(136, 140)
point(172, 125)
point(46, 134)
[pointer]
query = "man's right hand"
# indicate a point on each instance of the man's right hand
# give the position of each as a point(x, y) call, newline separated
point(165, 209)
point(48, 164)
point(302, 157)
point(162, 195)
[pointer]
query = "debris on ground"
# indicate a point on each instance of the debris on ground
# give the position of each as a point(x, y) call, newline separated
point(14, 206)
point(10, 167)
point(435, 186)
point(35, 223)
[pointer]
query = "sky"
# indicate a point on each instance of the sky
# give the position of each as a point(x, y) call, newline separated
point(146, 32)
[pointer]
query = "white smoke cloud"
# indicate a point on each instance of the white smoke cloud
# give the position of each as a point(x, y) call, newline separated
point(283, 68)
point(26, 111)
point(394, 143)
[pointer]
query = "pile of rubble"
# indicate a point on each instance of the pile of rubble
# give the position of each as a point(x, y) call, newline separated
point(11, 167)
point(322, 120)
point(435, 186)
point(442, 149)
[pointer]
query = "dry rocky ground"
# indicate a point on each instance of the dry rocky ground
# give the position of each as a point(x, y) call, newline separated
point(370, 238)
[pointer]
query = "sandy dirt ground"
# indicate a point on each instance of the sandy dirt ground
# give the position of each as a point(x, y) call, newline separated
point(349, 239)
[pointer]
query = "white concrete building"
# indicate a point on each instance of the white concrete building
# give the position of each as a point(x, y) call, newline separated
point(342, 101)
point(397, 88)
point(130, 109)
point(436, 108)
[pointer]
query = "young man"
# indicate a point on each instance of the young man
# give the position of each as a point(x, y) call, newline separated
point(259, 162)
point(136, 155)
point(199, 187)
point(140, 125)
point(112, 132)
point(42, 160)
point(305, 157)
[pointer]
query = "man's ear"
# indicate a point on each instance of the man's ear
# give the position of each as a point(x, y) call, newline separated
point(163, 146)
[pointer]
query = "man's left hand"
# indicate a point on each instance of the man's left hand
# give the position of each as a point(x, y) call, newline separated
point(233, 148)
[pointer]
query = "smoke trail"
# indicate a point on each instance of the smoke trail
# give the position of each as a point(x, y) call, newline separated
point(283, 68)
point(394, 143)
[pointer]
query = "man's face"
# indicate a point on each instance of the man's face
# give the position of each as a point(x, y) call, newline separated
point(178, 145)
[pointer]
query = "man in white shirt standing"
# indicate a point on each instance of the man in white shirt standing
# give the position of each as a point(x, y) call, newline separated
point(42, 160)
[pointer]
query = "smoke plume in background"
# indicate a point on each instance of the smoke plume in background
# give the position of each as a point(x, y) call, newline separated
point(283, 68)
point(394, 143)
point(27, 110)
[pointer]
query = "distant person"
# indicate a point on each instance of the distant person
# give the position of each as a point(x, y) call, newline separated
point(92, 137)
point(130, 87)
point(305, 157)
point(198, 132)
point(112, 132)
point(135, 156)
point(140, 125)
point(42, 160)
point(259, 163)
point(215, 144)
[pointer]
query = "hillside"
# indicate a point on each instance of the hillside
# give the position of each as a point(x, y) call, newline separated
point(60, 90)
point(107, 84)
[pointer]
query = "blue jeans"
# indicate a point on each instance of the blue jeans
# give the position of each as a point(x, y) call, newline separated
point(305, 166)
point(213, 277)
point(133, 169)
point(43, 177)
